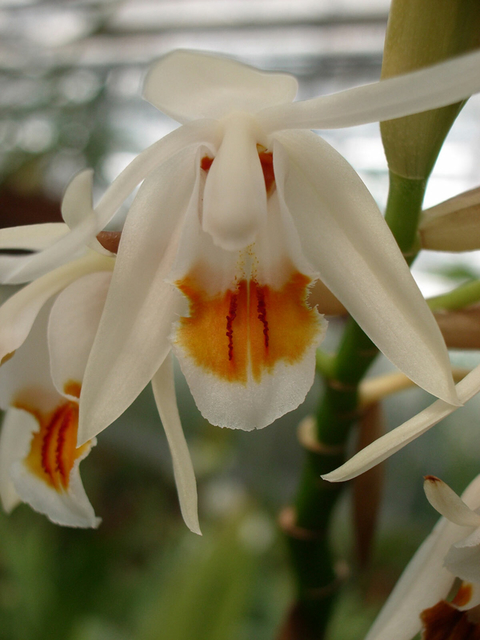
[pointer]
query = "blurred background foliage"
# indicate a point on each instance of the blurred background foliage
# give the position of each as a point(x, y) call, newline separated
point(70, 83)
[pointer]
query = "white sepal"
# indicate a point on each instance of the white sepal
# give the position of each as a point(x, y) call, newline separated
point(132, 338)
point(396, 439)
point(32, 236)
point(345, 238)
point(429, 88)
point(164, 391)
point(189, 85)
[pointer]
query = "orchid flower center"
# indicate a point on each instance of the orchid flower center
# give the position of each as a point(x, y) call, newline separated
point(242, 324)
point(53, 448)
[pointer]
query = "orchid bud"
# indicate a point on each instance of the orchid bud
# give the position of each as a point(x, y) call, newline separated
point(452, 225)
point(422, 33)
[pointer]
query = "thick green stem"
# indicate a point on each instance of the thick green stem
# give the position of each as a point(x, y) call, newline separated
point(337, 413)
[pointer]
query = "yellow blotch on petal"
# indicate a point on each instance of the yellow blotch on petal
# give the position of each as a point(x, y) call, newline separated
point(53, 449)
point(247, 329)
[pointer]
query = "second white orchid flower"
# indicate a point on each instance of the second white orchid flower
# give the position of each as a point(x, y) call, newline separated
point(451, 551)
point(239, 212)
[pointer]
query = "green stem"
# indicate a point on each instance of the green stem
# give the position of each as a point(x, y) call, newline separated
point(404, 207)
point(337, 413)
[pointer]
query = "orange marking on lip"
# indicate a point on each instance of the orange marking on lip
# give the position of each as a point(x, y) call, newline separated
point(463, 595)
point(249, 328)
point(72, 388)
point(53, 449)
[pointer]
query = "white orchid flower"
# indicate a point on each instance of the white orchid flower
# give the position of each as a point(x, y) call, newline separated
point(451, 551)
point(40, 385)
point(39, 459)
point(239, 212)
point(394, 440)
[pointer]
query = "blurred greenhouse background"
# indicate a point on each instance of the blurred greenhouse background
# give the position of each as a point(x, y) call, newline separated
point(70, 97)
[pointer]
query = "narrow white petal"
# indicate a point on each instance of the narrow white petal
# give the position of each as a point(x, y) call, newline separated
point(235, 200)
point(189, 85)
point(32, 236)
point(18, 313)
point(395, 440)
point(29, 267)
point(448, 504)
point(424, 582)
point(345, 237)
point(164, 391)
point(72, 326)
point(429, 88)
point(132, 339)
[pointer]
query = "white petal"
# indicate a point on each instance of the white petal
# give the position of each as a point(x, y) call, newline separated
point(132, 339)
point(18, 313)
point(448, 504)
point(429, 88)
point(188, 85)
point(29, 267)
point(235, 200)
point(164, 392)
point(424, 582)
point(395, 440)
point(345, 238)
point(15, 439)
point(32, 236)
point(72, 326)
